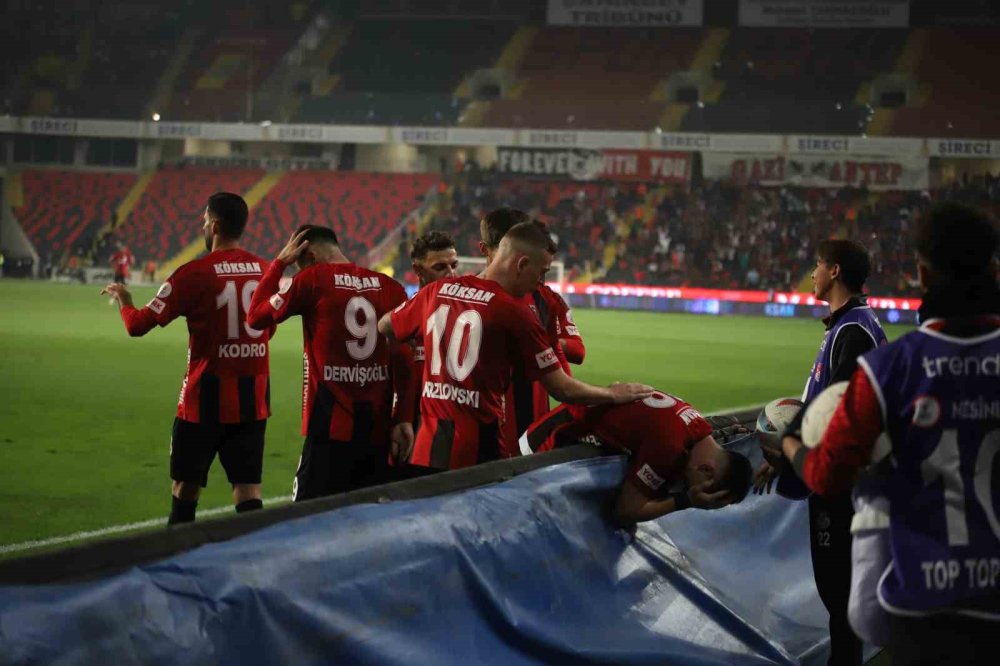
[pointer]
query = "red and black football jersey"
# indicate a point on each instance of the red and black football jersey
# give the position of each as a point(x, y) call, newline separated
point(347, 383)
point(227, 370)
point(475, 334)
point(656, 431)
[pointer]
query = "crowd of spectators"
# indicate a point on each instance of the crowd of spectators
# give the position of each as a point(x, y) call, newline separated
point(714, 234)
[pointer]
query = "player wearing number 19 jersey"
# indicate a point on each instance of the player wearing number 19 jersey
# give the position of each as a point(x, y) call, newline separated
point(347, 383)
point(935, 393)
point(225, 398)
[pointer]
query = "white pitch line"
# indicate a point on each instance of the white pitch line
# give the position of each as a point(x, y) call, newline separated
point(117, 529)
point(128, 527)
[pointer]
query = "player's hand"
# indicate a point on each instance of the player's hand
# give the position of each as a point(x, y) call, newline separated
point(402, 442)
point(118, 292)
point(705, 496)
point(630, 392)
point(763, 479)
point(294, 248)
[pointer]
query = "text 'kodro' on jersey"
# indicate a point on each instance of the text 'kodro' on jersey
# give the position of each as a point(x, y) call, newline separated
point(347, 380)
point(227, 369)
point(475, 334)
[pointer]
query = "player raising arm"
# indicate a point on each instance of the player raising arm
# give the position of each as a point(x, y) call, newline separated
point(347, 387)
point(224, 401)
point(475, 333)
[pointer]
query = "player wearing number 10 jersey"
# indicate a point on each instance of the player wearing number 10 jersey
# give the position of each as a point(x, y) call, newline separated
point(225, 397)
point(935, 393)
point(475, 333)
point(347, 384)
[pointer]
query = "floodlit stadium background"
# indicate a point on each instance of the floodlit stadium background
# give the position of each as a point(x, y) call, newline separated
point(688, 157)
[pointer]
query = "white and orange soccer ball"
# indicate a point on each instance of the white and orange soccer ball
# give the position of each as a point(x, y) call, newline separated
point(819, 413)
point(775, 416)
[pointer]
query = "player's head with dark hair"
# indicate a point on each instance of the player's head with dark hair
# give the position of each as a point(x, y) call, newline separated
point(225, 216)
point(495, 225)
point(523, 258)
point(323, 245)
point(735, 475)
point(955, 244)
point(840, 262)
point(434, 257)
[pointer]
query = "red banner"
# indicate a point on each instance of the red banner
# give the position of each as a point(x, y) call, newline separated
point(647, 166)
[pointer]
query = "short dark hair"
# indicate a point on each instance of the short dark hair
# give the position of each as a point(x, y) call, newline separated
point(230, 212)
point(855, 265)
point(432, 241)
point(534, 234)
point(318, 234)
point(958, 241)
point(497, 223)
point(738, 476)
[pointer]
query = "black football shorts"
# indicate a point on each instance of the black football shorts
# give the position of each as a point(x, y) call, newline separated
point(240, 447)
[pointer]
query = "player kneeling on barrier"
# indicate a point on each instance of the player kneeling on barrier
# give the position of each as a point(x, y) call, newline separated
point(675, 463)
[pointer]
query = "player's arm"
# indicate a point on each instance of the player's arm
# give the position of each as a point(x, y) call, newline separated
point(272, 301)
point(634, 506)
point(540, 362)
point(847, 445)
point(852, 342)
point(405, 321)
point(168, 304)
point(569, 335)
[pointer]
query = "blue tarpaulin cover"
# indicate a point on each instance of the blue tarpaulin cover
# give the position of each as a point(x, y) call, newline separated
point(523, 572)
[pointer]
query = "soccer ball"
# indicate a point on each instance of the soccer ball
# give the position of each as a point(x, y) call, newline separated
point(776, 415)
point(819, 412)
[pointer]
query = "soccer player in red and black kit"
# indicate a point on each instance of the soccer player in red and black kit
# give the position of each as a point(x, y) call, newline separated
point(675, 462)
point(434, 257)
point(475, 332)
point(347, 384)
point(121, 263)
point(527, 401)
point(225, 397)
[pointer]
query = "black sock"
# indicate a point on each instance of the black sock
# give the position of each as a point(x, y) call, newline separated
point(181, 511)
point(249, 505)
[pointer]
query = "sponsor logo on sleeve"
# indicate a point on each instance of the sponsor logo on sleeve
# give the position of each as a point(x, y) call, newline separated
point(165, 290)
point(546, 358)
point(569, 316)
point(650, 478)
point(157, 306)
point(277, 301)
point(284, 284)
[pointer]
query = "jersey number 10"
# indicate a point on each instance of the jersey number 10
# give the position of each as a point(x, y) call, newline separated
point(459, 365)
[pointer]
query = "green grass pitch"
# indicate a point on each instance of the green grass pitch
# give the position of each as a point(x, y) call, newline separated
point(86, 411)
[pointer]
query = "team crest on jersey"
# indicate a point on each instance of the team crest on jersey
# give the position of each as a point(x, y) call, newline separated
point(926, 411)
point(165, 290)
point(546, 358)
point(650, 478)
point(156, 305)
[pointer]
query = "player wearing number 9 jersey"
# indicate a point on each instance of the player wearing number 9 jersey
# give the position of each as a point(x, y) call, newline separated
point(225, 398)
point(347, 384)
point(935, 393)
point(475, 333)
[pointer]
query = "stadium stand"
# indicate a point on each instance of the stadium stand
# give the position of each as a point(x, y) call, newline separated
point(413, 83)
point(63, 211)
point(594, 78)
point(238, 49)
point(361, 208)
point(957, 71)
point(790, 80)
point(168, 216)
